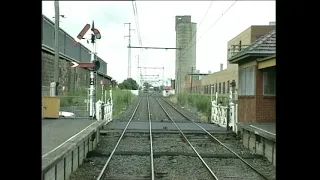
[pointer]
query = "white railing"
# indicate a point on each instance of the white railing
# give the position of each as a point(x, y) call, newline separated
point(104, 110)
point(108, 111)
point(219, 113)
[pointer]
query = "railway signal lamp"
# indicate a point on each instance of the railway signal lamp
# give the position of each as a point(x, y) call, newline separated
point(96, 33)
point(96, 65)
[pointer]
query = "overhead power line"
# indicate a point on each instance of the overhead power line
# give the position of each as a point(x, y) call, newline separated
point(205, 15)
point(135, 12)
point(212, 25)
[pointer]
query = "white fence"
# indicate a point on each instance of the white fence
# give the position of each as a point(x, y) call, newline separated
point(104, 110)
point(168, 92)
point(135, 92)
point(219, 113)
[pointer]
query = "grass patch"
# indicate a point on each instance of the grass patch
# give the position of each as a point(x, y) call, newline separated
point(199, 101)
point(76, 98)
point(121, 98)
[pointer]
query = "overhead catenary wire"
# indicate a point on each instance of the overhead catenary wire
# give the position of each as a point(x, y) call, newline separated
point(203, 18)
point(212, 25)
point(195, 32)
point(197, 40)
point(135, 12)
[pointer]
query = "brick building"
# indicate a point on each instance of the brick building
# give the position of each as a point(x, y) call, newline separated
point(220, 81)
point(70, 79)
point(257, 80)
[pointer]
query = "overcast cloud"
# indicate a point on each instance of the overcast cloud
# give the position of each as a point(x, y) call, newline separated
point(157, 29)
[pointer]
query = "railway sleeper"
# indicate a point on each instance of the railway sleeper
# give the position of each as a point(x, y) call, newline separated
point(159, 154)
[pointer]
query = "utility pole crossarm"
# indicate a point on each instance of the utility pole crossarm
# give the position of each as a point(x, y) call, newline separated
point(153, 47)
point(151, 67)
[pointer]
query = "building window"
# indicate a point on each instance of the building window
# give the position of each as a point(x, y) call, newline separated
point(228, 86)
point(216, 87)
point(269, 81)
point(235, 85)
point(219, 88)
point(224, 88)
point(246, 81)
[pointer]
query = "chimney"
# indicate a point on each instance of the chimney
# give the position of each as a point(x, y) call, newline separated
point(209, 72)
point(221, 66)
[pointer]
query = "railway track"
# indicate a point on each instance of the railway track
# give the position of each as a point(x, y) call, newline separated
point(186, 139)
point(167, 156)
point(152, 175)
point(211, 136)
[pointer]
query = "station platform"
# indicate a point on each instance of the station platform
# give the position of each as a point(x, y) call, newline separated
point(266, 130)
point(58, 131)
point(260, 138)
point(65, 143)
point(158, 126)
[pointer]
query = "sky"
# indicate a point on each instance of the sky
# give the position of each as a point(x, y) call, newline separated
point(156, 21)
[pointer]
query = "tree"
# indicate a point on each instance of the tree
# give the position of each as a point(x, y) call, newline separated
point(129, 83)
point(147, 85)
point(114, 83)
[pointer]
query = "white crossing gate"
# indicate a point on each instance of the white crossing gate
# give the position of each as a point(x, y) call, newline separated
point(219, 113)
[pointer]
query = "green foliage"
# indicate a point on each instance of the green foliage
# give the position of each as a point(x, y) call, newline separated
point(129, 83)
point(74, 98)
point(147, 85)
point(121, 99)
point(201, 102)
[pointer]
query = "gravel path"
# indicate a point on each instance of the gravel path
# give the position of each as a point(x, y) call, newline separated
point(189, 113)
point(157, 114)
point(231, 169)
point(126, 114)
point(128, 167)
point(180, 168)
point(172, 112)
point(142, 111)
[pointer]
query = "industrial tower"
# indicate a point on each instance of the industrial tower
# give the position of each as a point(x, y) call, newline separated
point(185, 58)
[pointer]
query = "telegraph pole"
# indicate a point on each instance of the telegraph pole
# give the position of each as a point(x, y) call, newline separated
point(129, 49)
point(191, 77)
point(129, 59)
point(56, 49)
point(163, 76)
point(138, 69)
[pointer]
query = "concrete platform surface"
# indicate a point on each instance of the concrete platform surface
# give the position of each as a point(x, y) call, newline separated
point(267, 130)
point(168, 126)
point(55, 132)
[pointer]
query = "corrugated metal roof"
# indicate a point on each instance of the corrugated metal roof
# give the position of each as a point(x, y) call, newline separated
point(265, 45)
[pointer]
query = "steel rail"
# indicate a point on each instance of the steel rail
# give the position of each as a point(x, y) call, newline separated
point(244, 161)
point(116, 146)
point(185, 138)
point(150, 136)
